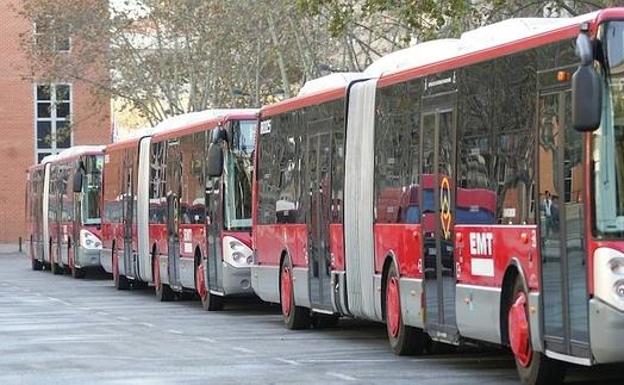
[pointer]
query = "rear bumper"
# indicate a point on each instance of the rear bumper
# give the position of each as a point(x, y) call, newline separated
point(86, 257)
point(236, 280)
point(606, 331)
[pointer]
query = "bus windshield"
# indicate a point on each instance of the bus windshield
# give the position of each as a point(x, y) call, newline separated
point(238, 168)
point(608, 140)
point(91, 187)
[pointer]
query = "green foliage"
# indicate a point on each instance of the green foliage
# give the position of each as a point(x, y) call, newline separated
point(441, 18)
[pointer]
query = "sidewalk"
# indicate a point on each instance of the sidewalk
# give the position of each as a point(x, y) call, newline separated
point(10, 248)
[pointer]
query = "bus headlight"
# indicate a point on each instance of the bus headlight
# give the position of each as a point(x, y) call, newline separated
point(619, 290)
point(89, 241)
point(236, 253)
point(609, 276)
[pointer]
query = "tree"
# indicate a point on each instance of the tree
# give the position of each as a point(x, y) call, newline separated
point(426, 19)
point(162, 57)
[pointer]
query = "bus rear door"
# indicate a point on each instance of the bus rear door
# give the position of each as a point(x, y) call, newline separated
point(319, 185)
point(438, 197)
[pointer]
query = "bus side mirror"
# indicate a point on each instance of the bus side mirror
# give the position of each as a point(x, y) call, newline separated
point(586, 88)
point(214, 161)
point(218, 134)
point(78, 181)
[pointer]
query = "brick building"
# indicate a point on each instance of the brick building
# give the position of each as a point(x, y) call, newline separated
point(37, 119)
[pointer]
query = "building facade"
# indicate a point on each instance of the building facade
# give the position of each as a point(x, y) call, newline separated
point(38, 118)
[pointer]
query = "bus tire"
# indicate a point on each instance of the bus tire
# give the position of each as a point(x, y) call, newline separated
point(163, 291)
point(324, 321)
point(55, 268)
point(533, 367)
point(77, 272)
point(212, 302)
point(209, 301)
point(120, 281)
point(404, 340)
point(36, 264)
point(295, 317)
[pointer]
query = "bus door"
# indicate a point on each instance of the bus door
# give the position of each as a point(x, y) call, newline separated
point(128, 212)
point(214, 228)
point(174, 181)
point(438, 201)
point(58, 214)
point(318, 220)
point(561, 217)
point(77, 206)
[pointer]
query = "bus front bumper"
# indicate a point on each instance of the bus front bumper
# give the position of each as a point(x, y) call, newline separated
point(87, 257)
point(236, 280)
point(606, 329)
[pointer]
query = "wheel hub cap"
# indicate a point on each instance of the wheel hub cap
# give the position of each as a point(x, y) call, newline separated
point(286, 291)
point(201, 282)
point(519, 333)
point(393, 308)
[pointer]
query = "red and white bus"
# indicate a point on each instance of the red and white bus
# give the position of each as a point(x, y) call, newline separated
point(171, 222)
point(63, 210)
point(517, 236)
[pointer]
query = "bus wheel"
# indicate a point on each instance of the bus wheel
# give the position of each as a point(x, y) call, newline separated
point(120, 281)
point(36, 264)
point(404, 340)
point(210, 302)
point(324, 321)
point(534, 368)
point(55, 268)
point(295, 317)
point(163, 291)
point(77, 272)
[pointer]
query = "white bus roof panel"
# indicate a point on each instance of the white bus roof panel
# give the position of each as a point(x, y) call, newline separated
point(190, 118)
point(427, 52)
point(479, 39)
point(72, 152)
point(328, 82)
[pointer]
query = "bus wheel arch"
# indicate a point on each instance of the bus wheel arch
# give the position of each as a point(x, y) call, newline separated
point(120, 281)
point(509, 279)
point(389, 262)
point(162, 291)
point(152, 258)
point(200, 281)
point(209, 301)
point(69, 243)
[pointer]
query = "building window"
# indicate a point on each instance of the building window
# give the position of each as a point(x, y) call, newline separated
point(53, 119)
point(49, 38)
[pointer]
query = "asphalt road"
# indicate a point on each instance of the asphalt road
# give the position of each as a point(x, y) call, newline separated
point(57, 330)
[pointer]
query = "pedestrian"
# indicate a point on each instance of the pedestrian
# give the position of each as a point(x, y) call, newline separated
point(547, 205)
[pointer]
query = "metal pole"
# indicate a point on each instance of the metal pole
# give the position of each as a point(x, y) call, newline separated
point(20, 244)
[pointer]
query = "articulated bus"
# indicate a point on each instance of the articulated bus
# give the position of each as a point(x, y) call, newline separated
point(174, 220)
point(63, 210)
point(514, 133)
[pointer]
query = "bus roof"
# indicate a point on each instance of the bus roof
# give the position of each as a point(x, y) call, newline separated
point(490, 41)
point(73, 152)
point(323, 89)
point(175, 125)
point(338, 79)
point(196, 121)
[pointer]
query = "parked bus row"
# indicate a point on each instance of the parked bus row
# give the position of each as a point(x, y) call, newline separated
point(461, 190)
